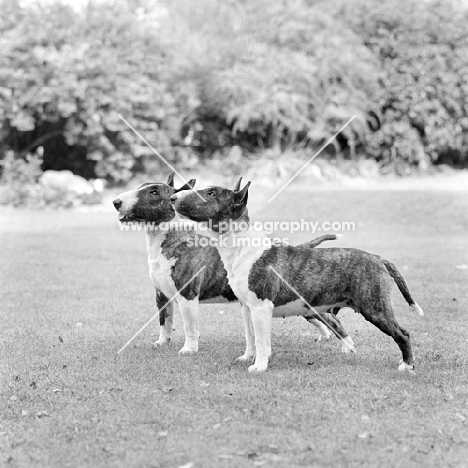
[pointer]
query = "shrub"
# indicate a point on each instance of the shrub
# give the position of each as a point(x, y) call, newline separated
point(66, 76)
point(206, 76)
point(422, 104)
point(267, 74)
point(20, 177)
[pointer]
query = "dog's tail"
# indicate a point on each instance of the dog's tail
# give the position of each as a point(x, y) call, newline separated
point(402, 286)
point(318, 240)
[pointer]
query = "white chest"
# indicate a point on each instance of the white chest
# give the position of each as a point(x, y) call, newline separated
point(160, 274)
point(238, 261)
point(160, 267)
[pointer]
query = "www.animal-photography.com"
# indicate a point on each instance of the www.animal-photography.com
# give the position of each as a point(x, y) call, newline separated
point(233, 234)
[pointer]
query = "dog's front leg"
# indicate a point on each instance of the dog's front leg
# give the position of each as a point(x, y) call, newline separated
point(189, 312)
point(249, 335)
point(261, 319)
point(166, 317)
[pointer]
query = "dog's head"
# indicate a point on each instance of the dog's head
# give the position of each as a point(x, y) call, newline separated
point(151, 202)
point(213, 204)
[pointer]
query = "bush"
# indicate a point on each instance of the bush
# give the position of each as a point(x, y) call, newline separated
point(197, 78)
point(20, 177)
point(271, 75)
point(66, 76)
point(422, 104)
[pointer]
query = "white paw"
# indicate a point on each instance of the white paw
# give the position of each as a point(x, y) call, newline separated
point(189, 349)
point(348, 345)
point(185, 350)
point(246, 357)
point(162, 341)
point(323, 337)
point(405, 367)
point(258, 367)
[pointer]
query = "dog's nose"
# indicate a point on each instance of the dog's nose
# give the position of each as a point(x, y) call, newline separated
point(117, 203)
point(173, 198)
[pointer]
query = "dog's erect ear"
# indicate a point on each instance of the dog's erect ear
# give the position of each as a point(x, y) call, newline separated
point(188, 186)
point(237, 187)
point(240, 197)
point(170, 180)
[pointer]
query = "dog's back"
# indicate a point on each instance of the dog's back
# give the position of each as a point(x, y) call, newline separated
point(321, 276)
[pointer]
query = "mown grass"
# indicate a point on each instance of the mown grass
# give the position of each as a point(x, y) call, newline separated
point(68, 399)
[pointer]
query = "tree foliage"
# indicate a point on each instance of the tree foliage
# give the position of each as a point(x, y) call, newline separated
point(207, 75)
point(66, 77)
point(274, 72)
point(422, 104)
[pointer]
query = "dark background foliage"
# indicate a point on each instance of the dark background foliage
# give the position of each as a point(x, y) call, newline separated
point(197, 78)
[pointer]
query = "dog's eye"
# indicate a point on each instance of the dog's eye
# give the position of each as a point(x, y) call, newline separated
point(210, 193)
point(154, 192)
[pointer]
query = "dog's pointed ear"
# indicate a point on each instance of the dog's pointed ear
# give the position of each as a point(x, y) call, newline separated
point(188, 186)
point(238, 184)
point(170, 180)
point(241, 196)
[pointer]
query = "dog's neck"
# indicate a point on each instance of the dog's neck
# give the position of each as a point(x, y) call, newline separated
point(241, 245)
point(154, 239)
point(171, 236)
point(243, 220)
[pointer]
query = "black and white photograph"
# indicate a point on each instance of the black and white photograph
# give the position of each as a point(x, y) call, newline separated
point(233, 233)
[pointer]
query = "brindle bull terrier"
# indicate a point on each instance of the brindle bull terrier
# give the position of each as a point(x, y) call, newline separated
point(271, 280)
point(174, 259)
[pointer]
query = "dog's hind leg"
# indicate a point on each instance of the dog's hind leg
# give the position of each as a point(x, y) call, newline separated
point(166, 317)
point(189, 312)
point(334, 325)
point(382, 316)
point(249, 335)
point(325, 333)
point(347, 344)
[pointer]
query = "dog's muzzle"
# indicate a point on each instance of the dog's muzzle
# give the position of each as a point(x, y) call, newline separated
point(117, 203)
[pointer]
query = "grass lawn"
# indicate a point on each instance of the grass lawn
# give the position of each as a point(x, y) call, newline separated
point(68, 399)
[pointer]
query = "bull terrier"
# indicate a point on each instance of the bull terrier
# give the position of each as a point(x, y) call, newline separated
point(271, 280)
point(174, 258)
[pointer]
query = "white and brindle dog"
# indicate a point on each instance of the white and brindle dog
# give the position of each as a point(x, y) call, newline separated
point(174, 258)
point(272, 280)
